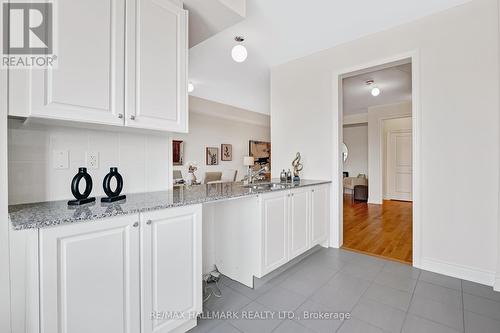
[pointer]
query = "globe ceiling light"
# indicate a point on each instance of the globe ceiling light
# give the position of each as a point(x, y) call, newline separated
point(375, 91)
point(239, 52)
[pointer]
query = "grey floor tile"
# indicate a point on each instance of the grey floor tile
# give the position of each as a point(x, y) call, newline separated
point(389, 296)
point(205, 325)
point(281, 299)
point(358, 326)
point(342, 292)
point(438, 293)
point(290, 326)
point(224, 328)
point(308, 315)
point(367, 271)
point(403, 270)
point(230, 301)
point(316, 274)
point(475, 323)
point(415, 324)
point(483, 306)
point(377, 314)
point(396, 281)
point(300, 286)
point(251, 293)
point(480, 290)
point(256, 318)
point(441, 280)
point(448, 315)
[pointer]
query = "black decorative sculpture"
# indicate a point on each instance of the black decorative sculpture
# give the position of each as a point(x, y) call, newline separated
point(81, 198)
point(106, 184)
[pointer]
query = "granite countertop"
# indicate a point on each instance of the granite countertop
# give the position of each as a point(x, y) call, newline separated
point(51, 213)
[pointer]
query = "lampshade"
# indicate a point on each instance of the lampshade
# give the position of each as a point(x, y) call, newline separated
point(248, 160)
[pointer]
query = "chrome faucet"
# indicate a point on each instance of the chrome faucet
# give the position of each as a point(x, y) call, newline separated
point(254, 175)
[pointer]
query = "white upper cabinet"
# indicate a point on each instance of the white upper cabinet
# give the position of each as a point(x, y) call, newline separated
point(87, 84)
point(115, 66)
point(156, 70)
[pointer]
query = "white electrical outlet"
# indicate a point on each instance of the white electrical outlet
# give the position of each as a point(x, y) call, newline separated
point(92, 158)
point(60, 159)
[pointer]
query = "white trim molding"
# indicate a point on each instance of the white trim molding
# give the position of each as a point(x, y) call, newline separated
point(459, 271)
point(336, 220)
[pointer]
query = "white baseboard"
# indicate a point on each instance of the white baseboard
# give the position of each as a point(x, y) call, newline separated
point(460, 272)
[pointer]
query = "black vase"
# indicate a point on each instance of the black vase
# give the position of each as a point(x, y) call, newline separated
point(81, 198)
point(112, 196)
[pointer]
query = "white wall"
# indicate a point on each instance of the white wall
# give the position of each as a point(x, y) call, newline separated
point(458, 64)
point(142, 160)
point(376, 117)
point(209, 131)
point(356, 140)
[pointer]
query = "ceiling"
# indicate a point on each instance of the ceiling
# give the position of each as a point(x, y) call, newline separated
point(393, 82)
point(278, 31)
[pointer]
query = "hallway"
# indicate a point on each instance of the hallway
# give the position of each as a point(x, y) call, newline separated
point(381, 230)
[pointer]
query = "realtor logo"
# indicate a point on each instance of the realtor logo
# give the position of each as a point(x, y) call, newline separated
point(28, 36)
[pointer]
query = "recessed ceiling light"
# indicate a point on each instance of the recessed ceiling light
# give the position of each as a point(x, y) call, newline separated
point(239, 51)
point(190, 87)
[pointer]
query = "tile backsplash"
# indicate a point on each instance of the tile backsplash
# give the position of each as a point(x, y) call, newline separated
point(142, 159)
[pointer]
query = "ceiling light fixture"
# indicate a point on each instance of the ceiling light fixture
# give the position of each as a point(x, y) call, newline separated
point(375, 90)
point(190, 87)
point(239, 51)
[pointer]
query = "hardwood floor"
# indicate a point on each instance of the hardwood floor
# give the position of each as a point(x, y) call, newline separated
point(381, 230)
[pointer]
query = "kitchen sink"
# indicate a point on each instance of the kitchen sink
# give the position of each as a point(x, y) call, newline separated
point(266, 186)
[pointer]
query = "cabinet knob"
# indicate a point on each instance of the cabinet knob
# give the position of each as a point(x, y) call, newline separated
point(120, 115)
point(148, 222)
point(132, 117)
point(136, 224)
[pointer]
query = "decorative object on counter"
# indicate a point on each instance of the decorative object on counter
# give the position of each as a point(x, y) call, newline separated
point(288, 176)
point(212, 155)
point(226, 152)
point(106, 184)
point(261, 152)
point(191, 178)
point(177, 177)
point(178, 152)
point(248, 161)
point(81, 198)
point(297, 167)
point(283, 176)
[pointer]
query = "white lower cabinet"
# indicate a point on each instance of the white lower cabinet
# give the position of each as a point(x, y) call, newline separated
point(274, 231)
point(292, 222)
point(89, 277)
point(134, 273)
point(171, 276)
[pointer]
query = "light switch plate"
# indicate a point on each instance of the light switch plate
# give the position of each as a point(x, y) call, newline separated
point(92, 158)
point(60, 159)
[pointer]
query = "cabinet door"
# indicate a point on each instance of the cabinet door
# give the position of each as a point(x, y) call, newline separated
point(88, 83)
point(274, 231)
point(156, 70)
point(320, 214)
point(299, 222)
point(171, 276)
point(89, 277)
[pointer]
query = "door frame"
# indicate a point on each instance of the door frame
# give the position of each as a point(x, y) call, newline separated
point(337, 218)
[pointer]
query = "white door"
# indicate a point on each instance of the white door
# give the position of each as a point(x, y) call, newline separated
point(89, 277)
point(88, 83)
point(299, 222)
point(399, 165)
point(171, 274)
point(274, 230)
point(320, 213)
point(156, 70)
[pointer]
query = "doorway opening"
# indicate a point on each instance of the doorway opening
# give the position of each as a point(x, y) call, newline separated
point(377, 161)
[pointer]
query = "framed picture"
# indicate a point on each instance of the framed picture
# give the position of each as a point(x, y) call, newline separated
point(226, 152)
point(178, 152)
point(212, 154)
